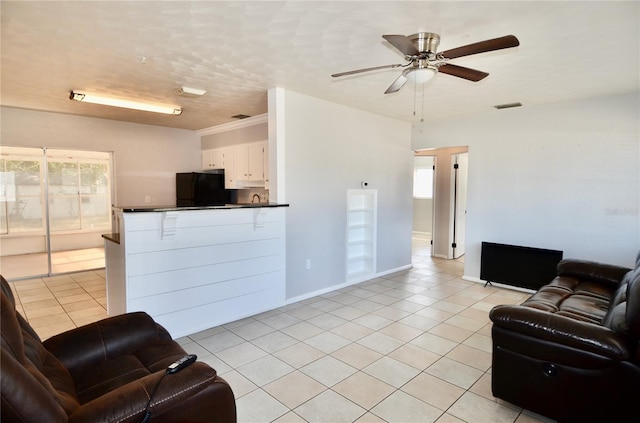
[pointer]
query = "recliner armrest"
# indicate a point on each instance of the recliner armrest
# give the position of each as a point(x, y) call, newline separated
point(561, 330)
point(173, 400)
point(608, 273)
point(111, 337)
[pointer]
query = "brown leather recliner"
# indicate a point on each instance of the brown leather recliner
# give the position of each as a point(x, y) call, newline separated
point(572, 350)
point(104, 372)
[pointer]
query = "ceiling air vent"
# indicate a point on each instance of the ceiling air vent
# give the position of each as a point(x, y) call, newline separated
point(240, 116)
point(507, 105)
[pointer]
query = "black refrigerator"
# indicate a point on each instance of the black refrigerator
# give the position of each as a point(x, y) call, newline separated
point(200, 189)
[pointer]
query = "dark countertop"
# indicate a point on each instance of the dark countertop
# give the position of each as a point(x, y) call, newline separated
point(174, 208)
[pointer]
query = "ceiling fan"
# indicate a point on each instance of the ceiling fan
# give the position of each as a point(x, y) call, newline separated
point(424, 62)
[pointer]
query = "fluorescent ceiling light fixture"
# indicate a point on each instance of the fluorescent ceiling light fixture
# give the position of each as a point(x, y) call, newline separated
point(421, 75)
point(127, 104)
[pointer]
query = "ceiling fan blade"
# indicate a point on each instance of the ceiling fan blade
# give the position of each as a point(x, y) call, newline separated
point(482, 46)
point(335, 75)
point(397, 84)
point(403, 44)
point(462, 72)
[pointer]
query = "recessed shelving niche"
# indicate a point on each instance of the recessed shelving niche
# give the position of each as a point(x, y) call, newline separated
point(361, 234)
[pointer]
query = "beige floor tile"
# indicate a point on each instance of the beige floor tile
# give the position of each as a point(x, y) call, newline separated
point(327, 342)
point(294, 389)
point(448, 418)
point(374, 390)
point(265, 370)
point(415, 356)
point(380, 342)
point(241, 385)
point(402, 407)
point(400, 332)
point(258, 406)
point(434, 343)
point(55, 319)
point(450, 332)
point(88, 312)
point(290, 417)
point(480, 341)
point(391, 371)
point(328, 370)
point(465, 323)
point(299, 355)
point(330, 407)
point(44, 312)
point(241, 354)
point(28, 298)
point(35, 305)
point(474, 408)
point(274, 341)
point(45, 332)
point(433, 390)
point(471, 357)
point(302, 331)
point(74, 298)
point(455, 372)
point(352, 331)
point(370, 418)
point(81, 305)
point(81, 321)
point(357, 355)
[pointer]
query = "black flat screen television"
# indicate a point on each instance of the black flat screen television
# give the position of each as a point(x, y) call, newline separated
point(525, 267)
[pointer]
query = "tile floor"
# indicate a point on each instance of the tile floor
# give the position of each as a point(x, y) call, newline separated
point(26, 265)
point(413, 346)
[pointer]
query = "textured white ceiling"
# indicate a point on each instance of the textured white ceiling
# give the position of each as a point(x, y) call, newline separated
point(238, 50)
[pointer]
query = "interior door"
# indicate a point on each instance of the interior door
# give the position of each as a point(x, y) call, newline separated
point(460, 176)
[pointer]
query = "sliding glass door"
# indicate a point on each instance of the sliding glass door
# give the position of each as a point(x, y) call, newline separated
point(55, 205)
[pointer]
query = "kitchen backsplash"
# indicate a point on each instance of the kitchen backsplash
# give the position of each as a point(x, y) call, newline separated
point(253, 195)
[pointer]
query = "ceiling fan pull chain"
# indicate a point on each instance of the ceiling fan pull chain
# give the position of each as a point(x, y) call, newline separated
point(414, 99)
point(422, 117)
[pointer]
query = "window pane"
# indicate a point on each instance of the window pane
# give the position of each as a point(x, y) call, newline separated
point(423, 183)
point(64, 213)
point(95, 212)
point(93, 178)
point(23, 206)
point(63, 178)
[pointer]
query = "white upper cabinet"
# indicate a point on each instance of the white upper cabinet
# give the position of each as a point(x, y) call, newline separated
point(249, 162)
point(213, 159)
point(243, 164)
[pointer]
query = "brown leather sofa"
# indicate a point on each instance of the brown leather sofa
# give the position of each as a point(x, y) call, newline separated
point(103, 372)
point(571, 351)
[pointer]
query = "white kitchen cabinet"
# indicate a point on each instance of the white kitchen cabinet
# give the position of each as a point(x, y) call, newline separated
point(249, 163)
point(213, 159)
point(361, 234)
point(245, 165)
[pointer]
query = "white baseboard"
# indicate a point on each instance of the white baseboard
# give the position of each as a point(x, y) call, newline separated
point(346, 284)
point(499, 285)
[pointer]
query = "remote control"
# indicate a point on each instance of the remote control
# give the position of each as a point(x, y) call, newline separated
point(178, 365)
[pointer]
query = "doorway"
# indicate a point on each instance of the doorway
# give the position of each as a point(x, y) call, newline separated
point(449, 200)
point(54, 208)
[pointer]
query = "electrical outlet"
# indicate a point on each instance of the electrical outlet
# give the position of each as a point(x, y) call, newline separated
point(147, 199)
point(308, 264)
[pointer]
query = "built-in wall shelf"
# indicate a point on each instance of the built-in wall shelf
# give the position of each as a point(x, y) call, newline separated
point(361, 234)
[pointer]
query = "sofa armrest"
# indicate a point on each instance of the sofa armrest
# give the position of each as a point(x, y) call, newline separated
point(108, 338)
point(561, 330)
point(195, 393)
point(608, 273)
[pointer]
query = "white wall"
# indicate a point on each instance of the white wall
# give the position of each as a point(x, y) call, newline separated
point(329, 148)
point(146, 157)
point(561, 176)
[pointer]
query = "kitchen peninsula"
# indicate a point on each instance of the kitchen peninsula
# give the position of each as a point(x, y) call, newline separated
point(193, 268)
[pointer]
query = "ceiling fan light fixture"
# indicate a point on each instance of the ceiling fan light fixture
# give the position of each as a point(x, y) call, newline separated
point(124, 103)
point(421, 75)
